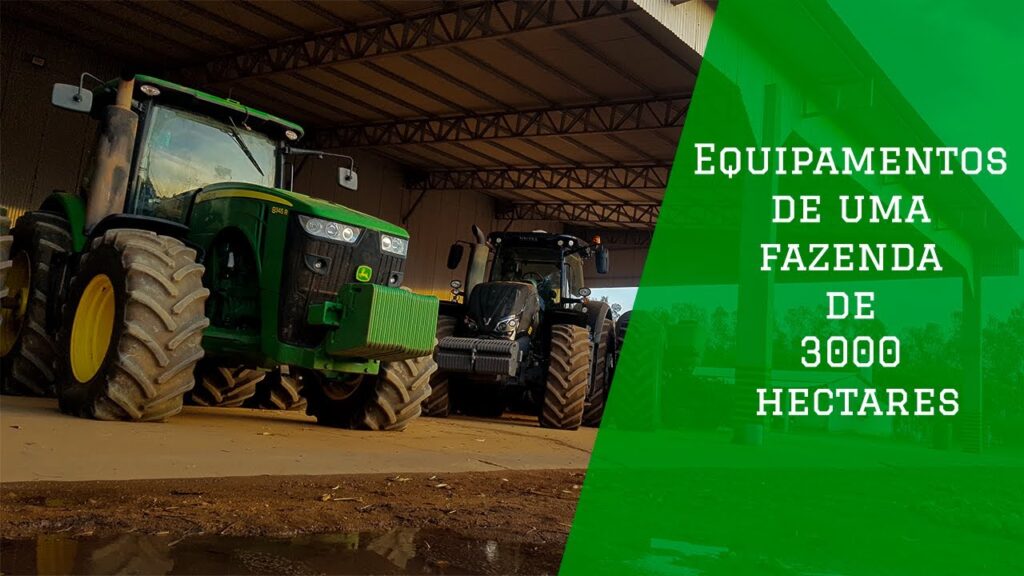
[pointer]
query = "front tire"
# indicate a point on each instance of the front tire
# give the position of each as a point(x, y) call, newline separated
point(224, 387)
point(28, 353)
point(438, 405)
point(133, 327)
point(388, 401)
point(565, 392)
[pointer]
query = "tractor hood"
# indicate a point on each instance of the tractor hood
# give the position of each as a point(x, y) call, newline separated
point(492, 304)
point(301, 204)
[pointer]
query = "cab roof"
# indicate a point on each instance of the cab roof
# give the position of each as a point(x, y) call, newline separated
point(538, 239)
point(191, 98)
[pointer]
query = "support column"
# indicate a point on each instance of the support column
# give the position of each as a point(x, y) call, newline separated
point(756, 294)
point(969, 421)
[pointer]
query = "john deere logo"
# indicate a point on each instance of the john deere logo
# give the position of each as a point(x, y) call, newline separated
point(364, 273)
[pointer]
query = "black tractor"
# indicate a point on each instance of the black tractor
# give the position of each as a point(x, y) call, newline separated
point(521, 335)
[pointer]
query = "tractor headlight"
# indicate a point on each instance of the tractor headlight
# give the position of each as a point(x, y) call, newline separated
point(507, 325)
point(330, 230)
point(394, 244)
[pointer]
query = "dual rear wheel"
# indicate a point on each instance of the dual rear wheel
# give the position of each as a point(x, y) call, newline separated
point(28, 258)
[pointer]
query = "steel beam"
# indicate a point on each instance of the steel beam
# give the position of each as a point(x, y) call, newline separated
point(449, 26)
point(654, 176)
point(596, 118)
point(624, 238)
point(645, 214)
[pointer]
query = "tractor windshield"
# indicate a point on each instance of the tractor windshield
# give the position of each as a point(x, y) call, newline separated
point(184, 151)
point(541, 266)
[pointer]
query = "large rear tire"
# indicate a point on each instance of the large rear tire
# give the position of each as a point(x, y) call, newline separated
point(28, 353)
point(388, 401)
point(133, 327)
point(438, 405)
point(565, 392)
point(225, 387)
point(280, 390)
point(600, 373)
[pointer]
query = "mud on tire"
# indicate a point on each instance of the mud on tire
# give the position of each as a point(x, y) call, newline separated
point(438, 405)
point(225, 387)
point(388, 401)
point(157, 330)
point(28, 367)
point(565, 391)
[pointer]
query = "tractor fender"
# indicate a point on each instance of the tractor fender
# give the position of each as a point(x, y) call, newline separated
point(596, 312)
point(161, 226)
point(561, 316)
point(73, 208)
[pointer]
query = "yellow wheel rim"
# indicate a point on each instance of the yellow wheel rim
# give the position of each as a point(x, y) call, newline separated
point(92, 328)
point(14, 306)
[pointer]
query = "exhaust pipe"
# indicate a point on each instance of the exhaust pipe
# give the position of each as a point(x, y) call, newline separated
point(478, 254)
point(108, 185)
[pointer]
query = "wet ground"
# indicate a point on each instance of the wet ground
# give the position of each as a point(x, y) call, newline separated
point(509, 522)
point(236, 491)
point(399, 551)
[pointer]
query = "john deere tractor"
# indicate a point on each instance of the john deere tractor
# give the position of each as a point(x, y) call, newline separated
point(524, 335)
point(185, 254)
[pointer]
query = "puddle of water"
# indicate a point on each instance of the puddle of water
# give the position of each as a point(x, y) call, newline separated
point(402, 551)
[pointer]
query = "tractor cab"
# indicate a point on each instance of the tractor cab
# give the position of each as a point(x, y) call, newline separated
point(552, 263)
point(187, 140)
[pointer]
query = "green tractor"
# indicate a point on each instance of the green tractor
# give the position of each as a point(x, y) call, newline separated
point(186, 257)
point(524, 336)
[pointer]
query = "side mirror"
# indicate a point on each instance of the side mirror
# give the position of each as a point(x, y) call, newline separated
point(601, 260)
point(455, 256)
point(70, 97)
point(348, 179)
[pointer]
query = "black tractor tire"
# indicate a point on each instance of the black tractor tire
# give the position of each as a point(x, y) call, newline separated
point(600, 373)
point(158, 321)
point(438, 405)
point(388, 401)
point(565, 391)
point(621, 325)
point(29, 366)
point(224, 387)
point(280, 390)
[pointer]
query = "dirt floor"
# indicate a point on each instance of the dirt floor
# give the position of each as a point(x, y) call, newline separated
point(476, 522)
point(37, 442)
point(225, 491)
point(533, 506)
